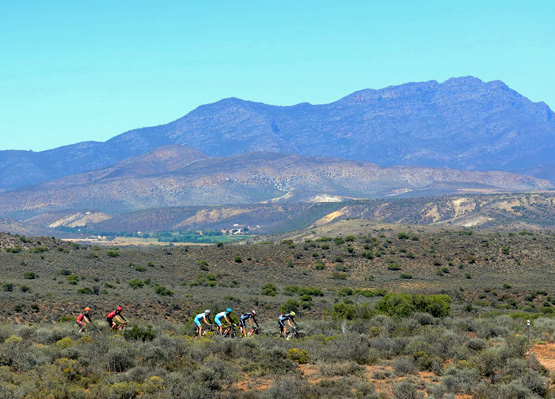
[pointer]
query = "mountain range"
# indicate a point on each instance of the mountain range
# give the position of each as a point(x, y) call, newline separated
point(463, 123)
point(413, 140)
point(179, 176)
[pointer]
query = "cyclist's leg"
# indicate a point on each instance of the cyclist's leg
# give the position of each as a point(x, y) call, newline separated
point(198, 331)
point(219, 327)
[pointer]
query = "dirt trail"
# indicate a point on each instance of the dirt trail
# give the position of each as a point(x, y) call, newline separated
point(545, 353)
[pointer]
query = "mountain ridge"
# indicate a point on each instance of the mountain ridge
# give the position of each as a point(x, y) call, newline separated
point(175, 175)
point(462, 123)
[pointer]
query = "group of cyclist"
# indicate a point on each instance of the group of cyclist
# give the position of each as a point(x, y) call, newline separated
point(204, 317)
point(116, 321)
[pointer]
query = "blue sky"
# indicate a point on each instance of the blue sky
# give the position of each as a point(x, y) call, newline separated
point(73, 71)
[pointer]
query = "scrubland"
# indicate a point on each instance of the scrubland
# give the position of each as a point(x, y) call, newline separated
point(387, 314)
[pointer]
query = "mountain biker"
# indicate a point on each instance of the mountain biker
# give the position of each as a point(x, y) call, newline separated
point(205, 316)
point(114, 318)
point(218, 319)
point(251, 316)
point(289, 317)
point(83, 319)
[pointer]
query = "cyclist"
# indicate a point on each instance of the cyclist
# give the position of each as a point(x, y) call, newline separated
point(114, 318)
point(220, 316)
point(251, 316)
point(289, 317)
point(205, 316)
point(83, 319)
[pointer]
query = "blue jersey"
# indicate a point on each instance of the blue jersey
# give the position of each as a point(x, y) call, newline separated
point(199, 317)
point(220, 316)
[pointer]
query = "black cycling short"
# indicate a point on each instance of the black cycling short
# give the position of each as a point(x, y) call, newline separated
point(110, 321)
point(281, 325)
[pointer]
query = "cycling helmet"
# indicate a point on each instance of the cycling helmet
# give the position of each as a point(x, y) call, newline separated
point(207, 311)
point(228, 310)
point(292, 314)
point(253, 312)
point(119, 309)
point(87, 309)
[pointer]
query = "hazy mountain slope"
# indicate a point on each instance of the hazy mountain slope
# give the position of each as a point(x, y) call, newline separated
point(178, 176)
point(463, 123)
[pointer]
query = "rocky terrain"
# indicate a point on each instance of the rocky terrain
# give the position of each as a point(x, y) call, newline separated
point(176, 176)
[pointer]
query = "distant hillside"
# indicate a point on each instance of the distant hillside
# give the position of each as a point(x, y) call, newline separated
point(463, 123)
point(176, 176)
point(534, 211)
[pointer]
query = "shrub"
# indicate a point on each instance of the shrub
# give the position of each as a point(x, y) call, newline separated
point(394, 267)
point(342, 311)
point(139, 268)
point(25, 288)
point(397, 305)
point(289, 306)
point(204, 279)
point(119, 359)
point(85, 291)
point(338, 276)
point(137, 333)
point(238, 259)
point(39, 250)
point(402, 305)
point(404, 365)
point(290, 290)
point(368, 293)
point(8, 286)
point(162, 291)
point(112, 253)
point(300, 356)
point(64, 272)
point(14, 250)
point(345, 291)
point(319, 265)
point(72, 279)
point(30, 275)
point(136, 283)
point(405, 390)
point(340, 268)
point(269, 289)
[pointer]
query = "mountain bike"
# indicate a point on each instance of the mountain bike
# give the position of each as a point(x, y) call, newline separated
point(252, 331)
point(231, 332)
point(294, 333)
point(205, 330)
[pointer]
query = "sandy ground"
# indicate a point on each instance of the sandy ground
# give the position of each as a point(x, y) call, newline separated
point(545, 353)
